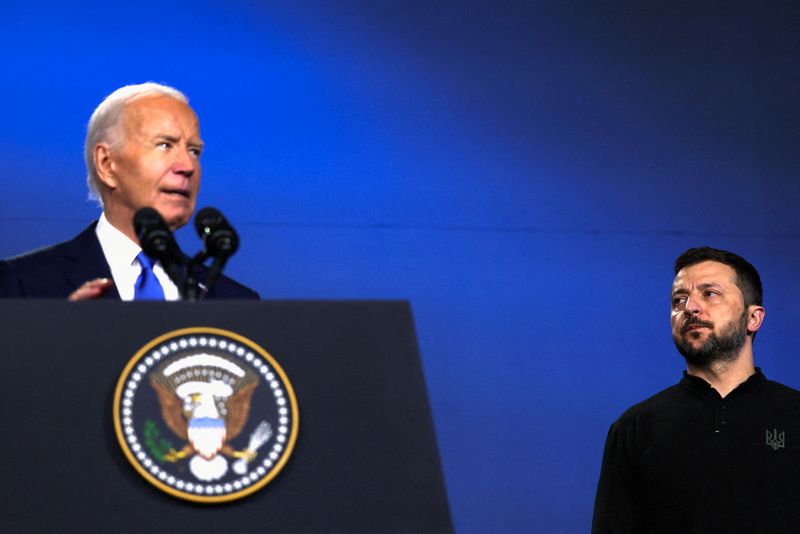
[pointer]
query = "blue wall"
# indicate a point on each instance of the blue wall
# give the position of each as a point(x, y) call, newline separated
point(523, 172)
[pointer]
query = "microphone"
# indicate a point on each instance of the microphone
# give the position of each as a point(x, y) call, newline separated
point(220, 241)
point(154, 236)
point(157, 241)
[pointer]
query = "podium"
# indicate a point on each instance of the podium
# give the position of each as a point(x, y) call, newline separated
point(365, 458)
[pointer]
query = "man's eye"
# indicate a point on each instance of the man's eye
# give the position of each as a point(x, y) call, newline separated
point(195, 152)
point(164, 144)
point(678, 301)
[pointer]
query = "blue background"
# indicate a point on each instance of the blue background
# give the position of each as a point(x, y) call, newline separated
point(523, 172)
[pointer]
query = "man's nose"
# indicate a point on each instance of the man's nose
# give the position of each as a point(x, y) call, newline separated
point(692, 306)
point(185, 162)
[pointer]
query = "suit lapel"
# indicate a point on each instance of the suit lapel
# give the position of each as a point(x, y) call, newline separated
point(88, 261)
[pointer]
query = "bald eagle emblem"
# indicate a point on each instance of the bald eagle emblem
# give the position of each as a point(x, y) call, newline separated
point(205, 401)
point(205, 414)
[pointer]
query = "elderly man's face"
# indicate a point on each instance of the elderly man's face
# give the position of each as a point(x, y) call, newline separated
point(158, 164)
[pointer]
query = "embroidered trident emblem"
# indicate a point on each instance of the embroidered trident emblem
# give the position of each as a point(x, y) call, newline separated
point(775, 440)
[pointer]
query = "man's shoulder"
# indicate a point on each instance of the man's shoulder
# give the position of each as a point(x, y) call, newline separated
point(662, 402)
point(53, 271)
point(43, 255)
point(674, 400)
point(228, 288)
point(778, 390)
point(40, 257)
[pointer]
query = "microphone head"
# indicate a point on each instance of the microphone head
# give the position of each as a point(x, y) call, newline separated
point(154, 236)
point(220, 239)
point(144, 219)
point(206, 219)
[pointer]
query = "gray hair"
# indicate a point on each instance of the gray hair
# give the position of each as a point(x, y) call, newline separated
point(104, 125)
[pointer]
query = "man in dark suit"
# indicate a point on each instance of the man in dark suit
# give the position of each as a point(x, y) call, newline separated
point(142, 149)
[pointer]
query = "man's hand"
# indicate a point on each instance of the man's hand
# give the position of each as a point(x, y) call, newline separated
point(92, 289)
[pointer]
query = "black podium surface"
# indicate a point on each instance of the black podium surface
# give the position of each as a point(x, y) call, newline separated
point(365, 459)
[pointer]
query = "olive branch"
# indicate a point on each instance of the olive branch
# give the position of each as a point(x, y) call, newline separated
point(157, 445)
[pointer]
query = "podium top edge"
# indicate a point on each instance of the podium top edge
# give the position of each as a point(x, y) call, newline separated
point(214, 301)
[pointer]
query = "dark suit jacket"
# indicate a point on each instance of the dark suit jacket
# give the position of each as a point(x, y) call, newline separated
point(57, 271)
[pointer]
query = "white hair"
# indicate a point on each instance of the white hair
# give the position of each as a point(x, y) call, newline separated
point(106, 121)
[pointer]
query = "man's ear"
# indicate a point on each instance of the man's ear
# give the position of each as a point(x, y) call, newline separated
point(104, 165)
point(755, 318)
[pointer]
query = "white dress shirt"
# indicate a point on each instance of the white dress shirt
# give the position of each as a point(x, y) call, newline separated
point(120, 253)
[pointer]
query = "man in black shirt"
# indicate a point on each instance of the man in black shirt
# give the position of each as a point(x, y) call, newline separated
point(720, 451)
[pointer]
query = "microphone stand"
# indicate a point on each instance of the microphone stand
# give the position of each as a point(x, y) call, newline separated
point(214, 270)
point(191, 289)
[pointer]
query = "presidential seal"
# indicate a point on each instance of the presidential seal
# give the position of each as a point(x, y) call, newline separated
point(205, 415)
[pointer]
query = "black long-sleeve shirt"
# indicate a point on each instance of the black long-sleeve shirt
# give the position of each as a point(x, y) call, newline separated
point(687, 460)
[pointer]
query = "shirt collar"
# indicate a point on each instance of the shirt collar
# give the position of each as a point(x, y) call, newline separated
point(701, 387)
point(118, 248)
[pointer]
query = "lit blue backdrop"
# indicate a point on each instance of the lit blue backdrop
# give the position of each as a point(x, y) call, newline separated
point(523, 172)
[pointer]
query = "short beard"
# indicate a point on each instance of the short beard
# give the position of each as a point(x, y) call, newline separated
point(722, 348)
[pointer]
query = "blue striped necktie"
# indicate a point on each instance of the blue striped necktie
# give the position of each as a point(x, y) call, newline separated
point(147, 286)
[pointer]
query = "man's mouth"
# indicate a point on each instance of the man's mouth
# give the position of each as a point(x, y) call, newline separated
point(179, 192)
point(695, 325)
